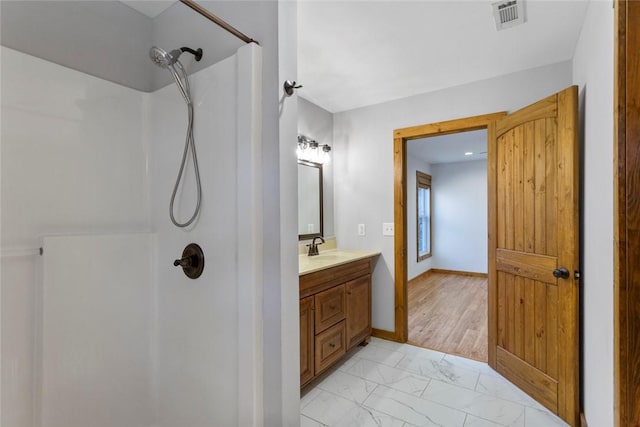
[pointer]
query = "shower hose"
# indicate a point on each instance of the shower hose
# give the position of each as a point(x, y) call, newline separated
point(182, 81)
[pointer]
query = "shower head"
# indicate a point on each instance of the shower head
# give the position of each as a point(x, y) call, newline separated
point(164, 59)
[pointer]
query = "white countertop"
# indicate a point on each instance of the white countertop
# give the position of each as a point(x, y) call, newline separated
point(330, 258)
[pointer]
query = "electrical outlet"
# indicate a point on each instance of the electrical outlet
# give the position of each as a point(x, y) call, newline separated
point(387, 229)
point(361, 230)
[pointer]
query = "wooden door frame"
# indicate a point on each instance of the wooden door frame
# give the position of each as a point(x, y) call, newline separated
point(626, 209)
point(400, 138)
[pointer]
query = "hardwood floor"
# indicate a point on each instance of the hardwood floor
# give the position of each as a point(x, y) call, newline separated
point(448, 313)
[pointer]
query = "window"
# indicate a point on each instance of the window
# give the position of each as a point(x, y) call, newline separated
point(423, 215)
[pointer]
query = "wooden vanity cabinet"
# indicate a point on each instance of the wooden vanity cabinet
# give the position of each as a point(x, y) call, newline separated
point(335, 314)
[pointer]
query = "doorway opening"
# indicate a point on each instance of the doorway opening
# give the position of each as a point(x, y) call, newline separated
point(447, 243)
point(402, 194)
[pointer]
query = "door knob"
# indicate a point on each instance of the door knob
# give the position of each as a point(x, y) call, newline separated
point(561, 273)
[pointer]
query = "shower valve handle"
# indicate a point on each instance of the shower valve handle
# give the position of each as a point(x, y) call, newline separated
point(183, 262)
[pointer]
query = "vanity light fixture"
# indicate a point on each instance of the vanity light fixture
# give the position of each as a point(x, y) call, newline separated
point(311, 151)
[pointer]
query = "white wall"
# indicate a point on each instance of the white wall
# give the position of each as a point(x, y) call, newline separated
point(285, 342)
point(414, 268)
point(97, 316)
point(199, 356)
point(460, 216)
point(107, 39)
point(363, 159)
point(317, 123)
point(593, 72)
point(73, 153)
point(102, 186)
point(19, 322)
point(73, 162)
point(274, 25)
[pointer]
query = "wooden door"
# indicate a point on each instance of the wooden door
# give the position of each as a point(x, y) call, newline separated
point(533, 252)
point(306, 340)
point(627, 216)
point(358, 310)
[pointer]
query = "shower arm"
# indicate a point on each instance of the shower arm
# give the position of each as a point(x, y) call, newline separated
point(197, 53)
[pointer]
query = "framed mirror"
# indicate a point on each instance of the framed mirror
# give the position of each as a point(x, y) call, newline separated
point(310, 222)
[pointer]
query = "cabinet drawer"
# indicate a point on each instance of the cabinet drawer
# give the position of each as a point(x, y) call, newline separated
point(318, 281)
point(330, 346)
point(329, 308)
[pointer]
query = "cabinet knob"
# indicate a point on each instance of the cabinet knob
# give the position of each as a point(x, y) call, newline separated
point(332, 307)
point(332, 345)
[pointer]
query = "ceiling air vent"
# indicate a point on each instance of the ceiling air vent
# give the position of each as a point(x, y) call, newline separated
point(508, 14)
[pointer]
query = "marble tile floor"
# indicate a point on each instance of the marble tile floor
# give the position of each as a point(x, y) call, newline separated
point(387, 384)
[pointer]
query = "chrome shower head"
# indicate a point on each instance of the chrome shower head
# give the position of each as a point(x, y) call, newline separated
point(164, 59)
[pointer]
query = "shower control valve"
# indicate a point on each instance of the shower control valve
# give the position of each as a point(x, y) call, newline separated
point(192, 261)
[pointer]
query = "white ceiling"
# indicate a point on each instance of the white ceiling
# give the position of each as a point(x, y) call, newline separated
point(358, 53)
point(450, 148)
point(151, 8)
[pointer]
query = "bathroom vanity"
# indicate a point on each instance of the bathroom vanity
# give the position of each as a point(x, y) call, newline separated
point(335, 307)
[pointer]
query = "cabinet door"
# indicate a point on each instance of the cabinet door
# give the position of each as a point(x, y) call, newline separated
point(358, 310)
point(306, 340)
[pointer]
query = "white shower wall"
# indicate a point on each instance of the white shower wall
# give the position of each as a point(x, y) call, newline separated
point(74, 153)
point(84, 156)
point(74, 161)
point(97, 305)
point(199, 325)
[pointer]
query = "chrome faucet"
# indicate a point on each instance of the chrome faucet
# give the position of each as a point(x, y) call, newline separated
point(313, 247)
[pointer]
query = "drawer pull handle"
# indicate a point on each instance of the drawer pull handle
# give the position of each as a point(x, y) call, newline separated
point(332, 345)
point(332, 307)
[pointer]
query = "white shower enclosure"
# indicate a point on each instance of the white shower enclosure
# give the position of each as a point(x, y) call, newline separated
point(101, 329)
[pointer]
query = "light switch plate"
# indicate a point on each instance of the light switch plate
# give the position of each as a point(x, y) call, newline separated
point(387, 229)
point(361, 230)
